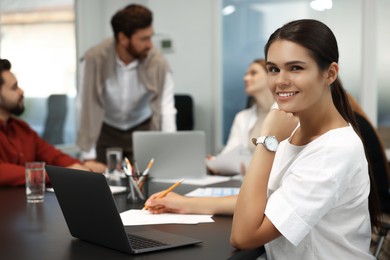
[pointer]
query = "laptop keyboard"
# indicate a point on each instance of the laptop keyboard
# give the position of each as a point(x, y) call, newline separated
point(138, 242)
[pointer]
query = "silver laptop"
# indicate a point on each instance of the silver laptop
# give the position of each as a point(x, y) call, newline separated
point(176, 155)
point(91, 214)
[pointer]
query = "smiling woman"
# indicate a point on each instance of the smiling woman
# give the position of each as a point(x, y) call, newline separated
point(310, 198)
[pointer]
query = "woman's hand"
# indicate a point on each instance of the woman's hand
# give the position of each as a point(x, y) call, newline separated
point(211, 171)
point(171, 203)
point(279, 123)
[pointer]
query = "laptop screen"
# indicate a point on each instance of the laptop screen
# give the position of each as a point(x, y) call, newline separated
point(176, 155)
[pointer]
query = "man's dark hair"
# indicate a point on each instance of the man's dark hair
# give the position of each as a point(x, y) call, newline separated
point(130, 19)
point(5, 65)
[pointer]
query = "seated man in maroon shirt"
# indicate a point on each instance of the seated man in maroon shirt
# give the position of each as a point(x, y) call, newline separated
point(19, 143)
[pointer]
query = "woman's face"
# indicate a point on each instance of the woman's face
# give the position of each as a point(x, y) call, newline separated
point(294, 77)
point(255, 79)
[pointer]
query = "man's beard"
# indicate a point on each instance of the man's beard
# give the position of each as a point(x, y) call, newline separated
point(17, 111)
point(14, 109)
point(136, 54)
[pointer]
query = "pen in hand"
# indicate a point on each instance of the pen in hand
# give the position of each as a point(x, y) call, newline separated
point(165, 192)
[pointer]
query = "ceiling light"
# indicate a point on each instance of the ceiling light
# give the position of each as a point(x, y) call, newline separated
point(321, 5)
point(227, 10)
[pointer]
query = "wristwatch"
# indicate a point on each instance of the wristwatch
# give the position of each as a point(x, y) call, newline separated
point(270, 142)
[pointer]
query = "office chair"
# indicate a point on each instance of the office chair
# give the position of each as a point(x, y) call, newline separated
point(380, 169)
point(55, 119)
point(185, 112)
point(382, 233)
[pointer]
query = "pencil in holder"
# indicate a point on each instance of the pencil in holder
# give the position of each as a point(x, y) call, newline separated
point(138, 188)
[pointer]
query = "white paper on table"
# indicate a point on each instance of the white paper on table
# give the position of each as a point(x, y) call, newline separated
point(213, 192)
point(200, 182)
point(118, 189)
point(114, 189)
point(136, 217)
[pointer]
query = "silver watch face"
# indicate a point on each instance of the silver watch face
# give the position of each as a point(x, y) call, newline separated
point(271, 143)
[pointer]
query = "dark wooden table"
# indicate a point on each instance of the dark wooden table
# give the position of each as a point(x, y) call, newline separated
point(39, 231)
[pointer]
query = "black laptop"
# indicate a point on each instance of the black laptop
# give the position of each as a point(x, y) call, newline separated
point(91, 214)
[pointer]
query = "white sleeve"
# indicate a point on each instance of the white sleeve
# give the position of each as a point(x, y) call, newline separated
point(91, 154)
point(312, 185)
point(168, 110)
point(307, 192)
point(235, 136)
point(79, 97)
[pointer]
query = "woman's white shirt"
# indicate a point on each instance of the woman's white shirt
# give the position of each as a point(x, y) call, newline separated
point(318, 199)
point(239, 132)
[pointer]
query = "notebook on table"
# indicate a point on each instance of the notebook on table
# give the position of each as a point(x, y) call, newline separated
point(176, 155)
point(91, 214)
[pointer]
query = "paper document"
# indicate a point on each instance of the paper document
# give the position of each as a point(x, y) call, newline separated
point(200, 182)
point(114, 189)
point(118, 189)
point(213, 192)
point(136, 217)
point(230, 163)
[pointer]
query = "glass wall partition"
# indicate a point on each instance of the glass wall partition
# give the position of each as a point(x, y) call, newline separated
point(246, 26)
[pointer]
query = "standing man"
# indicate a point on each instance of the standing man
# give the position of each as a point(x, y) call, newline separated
point(19, 143)
point(126, 86)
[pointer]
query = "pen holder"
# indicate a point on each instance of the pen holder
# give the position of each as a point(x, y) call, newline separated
point(138, 188)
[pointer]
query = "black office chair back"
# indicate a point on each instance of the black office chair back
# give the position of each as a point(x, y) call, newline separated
point(185, 112)
point(55, 119)
point(380, 169)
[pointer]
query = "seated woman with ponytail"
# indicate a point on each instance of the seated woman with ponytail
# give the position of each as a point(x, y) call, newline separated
point(307, 192)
